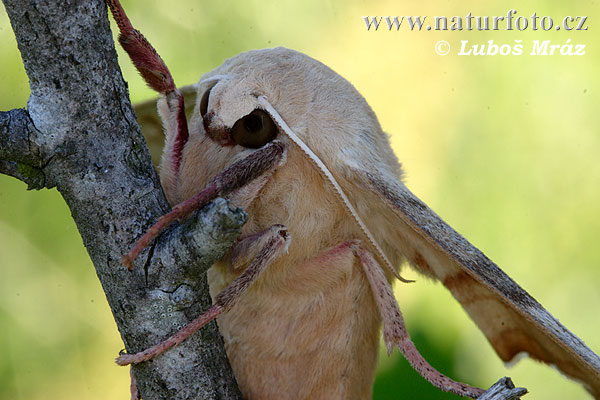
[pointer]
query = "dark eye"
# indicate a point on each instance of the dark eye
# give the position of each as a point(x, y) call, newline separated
point(204, 101)
point(254, 130)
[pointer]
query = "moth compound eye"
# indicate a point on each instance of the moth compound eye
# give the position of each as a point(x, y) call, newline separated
point(204, 101)
point(254, 130)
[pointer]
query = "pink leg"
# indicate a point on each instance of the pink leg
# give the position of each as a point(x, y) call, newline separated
point(145, 58)
point(394, 329)
point(133, 389)
point(395, 333)
point(276, 239)
point(156, 74)
point(237, 175)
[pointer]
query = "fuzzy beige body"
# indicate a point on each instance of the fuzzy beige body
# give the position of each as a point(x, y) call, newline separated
point(309, 327)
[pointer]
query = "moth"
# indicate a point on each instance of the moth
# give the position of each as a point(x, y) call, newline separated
point(302, 296)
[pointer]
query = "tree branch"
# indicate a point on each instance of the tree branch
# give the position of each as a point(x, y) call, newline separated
point(19, 157)
point(79, 133)
point(504, 389)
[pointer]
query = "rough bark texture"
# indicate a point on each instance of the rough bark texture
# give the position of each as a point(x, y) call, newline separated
point(79, 134)
point(504, 389)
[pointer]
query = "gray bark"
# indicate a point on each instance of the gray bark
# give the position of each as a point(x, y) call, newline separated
point(504, 389)
point(80, 135)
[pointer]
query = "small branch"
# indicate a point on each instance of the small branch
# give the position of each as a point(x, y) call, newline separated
point(19, 156)
point(186, 243)
point(504, 389)
point(228, 180)
point(33, 177)
point(17, 138)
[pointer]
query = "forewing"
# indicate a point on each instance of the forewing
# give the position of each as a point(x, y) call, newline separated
point(152, 126)
point(510, 318)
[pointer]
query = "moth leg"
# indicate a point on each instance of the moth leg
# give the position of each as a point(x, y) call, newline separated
point(237, 175)
point(275, 239)
point(145, 58)
point(395, 333)
point(153, 69)
point(133, 389)
point(171, 109)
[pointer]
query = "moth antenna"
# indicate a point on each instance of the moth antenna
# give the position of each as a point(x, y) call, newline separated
point(337, 188)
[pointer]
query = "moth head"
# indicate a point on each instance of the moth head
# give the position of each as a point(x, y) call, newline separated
point(319, 106)
point(231, 115)
point(308, 96)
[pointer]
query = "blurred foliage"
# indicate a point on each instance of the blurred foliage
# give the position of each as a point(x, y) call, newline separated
point(505, 149)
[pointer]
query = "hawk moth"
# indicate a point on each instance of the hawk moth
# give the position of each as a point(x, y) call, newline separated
point(328, 175)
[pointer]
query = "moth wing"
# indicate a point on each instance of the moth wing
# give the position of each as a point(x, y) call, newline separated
point(510, 318)
point(151, 124)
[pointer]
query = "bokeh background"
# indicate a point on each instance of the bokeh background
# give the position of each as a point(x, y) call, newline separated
point(505, 149)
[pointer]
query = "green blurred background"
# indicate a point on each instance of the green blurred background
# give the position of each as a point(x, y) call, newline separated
point(505, 149)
